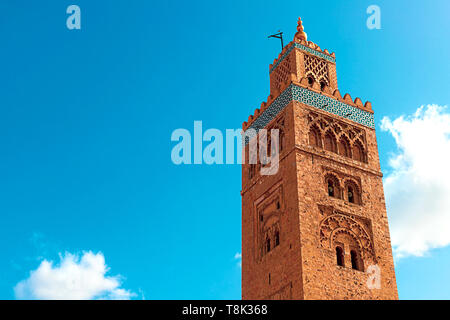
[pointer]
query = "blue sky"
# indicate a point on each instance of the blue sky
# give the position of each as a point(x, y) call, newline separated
point(87, 115)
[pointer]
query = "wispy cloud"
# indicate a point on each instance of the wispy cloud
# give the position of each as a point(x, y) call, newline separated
point(238, 257)
point(418, 186)
point(74, 278)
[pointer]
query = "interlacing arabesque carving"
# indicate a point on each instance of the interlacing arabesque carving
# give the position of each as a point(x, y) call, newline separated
point(318, 68)
point(282, 73)
point(336, 224)
point(341, 132)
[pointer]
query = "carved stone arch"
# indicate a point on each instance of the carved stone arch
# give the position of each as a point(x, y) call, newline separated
point(332, 175)
point(330, 141)
point(343, 237)
point(315, 136)
point(324, 79)
point(344, 148)
point(334, 237)
point(332, 180)
point(358, 151)
point(310, 75)
point(314, 119)
point(324, 83)
point(352, 191)
point(337, 128)
point(351, 134)
point(359, 134)
point(270, 228)
point(358, 141)
point(339, 223)
point(322, 123)
point(347, 180)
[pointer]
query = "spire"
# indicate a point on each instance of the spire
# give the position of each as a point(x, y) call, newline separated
point(300, 35)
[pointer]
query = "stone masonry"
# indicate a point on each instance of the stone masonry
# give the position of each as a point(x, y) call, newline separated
point(318, 228)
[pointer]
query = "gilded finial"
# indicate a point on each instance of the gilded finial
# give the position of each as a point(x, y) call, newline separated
point(300, 35)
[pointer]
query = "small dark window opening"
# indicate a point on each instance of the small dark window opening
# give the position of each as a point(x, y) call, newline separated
point(261, 217)
point(351, 196)
point(277, 238)
point(281, 139)
point(322, 85)
point(340, 256)
point(310, 80)
point(330, 188)
point(251, 171)
point(267, 244)
point(354, 257)
point(269, 278)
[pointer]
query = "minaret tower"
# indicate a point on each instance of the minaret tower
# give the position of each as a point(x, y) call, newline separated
point(318, 228)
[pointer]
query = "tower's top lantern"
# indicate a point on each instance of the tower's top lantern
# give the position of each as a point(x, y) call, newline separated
point(300, 35)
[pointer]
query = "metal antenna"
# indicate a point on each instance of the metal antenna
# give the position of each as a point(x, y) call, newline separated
point(278, 35)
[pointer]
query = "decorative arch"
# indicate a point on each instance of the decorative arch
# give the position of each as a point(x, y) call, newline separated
point(339, 229)
point(333, 185)
point(340, 256)
point(356, 261)
point(344, 146)
point(315, 138)
point(324, 83)
point(311, 78)
point(337, 127)
point(358, 151)
point(329, 141)
point(352, 192)
point(271, 233)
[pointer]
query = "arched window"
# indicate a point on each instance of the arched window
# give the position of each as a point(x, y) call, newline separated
point(330, 142)
point(340, 256)
point(314, 137)
point(310, 80)
point(333, 186)
point(355, 260)
point(358, 153)
point(331, 190)
point(353, 192)
point(350, 194)
point(344, 147)
point(323, 85)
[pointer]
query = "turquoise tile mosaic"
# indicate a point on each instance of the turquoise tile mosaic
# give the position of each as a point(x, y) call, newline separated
point(305, 48)
point(314, 99)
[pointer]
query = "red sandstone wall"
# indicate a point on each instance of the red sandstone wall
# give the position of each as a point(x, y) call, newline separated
point(322, 278)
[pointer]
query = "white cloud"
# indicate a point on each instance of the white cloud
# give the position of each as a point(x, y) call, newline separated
point(74, 278)
point(238, 257)
point(418, 186)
